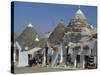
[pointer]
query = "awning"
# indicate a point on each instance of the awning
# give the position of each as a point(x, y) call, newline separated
point(34, 50)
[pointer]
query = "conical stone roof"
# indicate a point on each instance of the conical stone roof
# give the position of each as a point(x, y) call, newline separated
point(78, 27)
point(27, 36)
point(79, 22)
point(57, 35)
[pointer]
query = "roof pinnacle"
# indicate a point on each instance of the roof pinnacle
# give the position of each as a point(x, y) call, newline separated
point(30, 25)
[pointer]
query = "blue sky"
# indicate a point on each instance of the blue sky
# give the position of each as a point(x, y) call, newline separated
point(45, 17)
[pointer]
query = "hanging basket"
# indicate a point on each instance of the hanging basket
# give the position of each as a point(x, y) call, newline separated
point(77, 47)
point(86, 47)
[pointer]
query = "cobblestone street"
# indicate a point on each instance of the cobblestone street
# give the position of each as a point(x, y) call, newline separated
point(39, 69)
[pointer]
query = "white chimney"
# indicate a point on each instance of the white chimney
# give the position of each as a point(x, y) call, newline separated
point(26, 48)
point(36, 39)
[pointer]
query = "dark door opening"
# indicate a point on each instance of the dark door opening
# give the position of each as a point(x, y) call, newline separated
point(17, 55)
point(30, 59)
